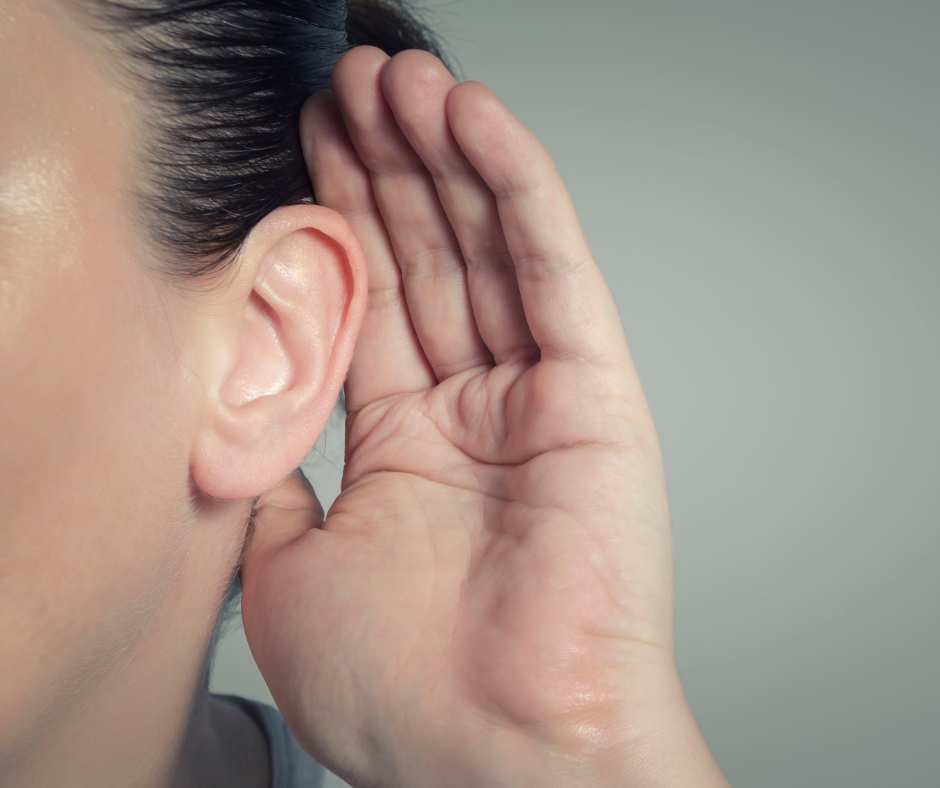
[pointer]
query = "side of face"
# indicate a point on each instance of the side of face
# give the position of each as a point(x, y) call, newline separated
point(97, 407)
point(132, 412)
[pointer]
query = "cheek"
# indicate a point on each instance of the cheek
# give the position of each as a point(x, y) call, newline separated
point(96, 416)
point(95, 430)
point(94, 479)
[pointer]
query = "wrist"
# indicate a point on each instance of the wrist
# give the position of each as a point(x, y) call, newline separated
point(664, 750)
point(648, 743)
point(650, 739)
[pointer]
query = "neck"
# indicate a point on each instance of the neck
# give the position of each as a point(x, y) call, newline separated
point(222, 744)
point(145, 717)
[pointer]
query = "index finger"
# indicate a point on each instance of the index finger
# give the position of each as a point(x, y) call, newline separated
point(569, 308)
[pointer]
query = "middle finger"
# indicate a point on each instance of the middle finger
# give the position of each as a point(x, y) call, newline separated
point(433, 271)
point(416, 86)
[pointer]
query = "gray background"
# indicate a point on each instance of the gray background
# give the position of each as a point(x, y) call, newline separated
point(759, 182)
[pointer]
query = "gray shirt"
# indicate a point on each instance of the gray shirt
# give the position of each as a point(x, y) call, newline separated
point(291, 766)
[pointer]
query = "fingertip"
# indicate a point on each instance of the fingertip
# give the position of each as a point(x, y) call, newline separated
point(363, 53)
point(316, 102)
point(416, 85)
point(355, 64)
point(312, 113)
point(470, 104)
point(471, 91)
point(415, 69)
point(320, 110)
point(505, 153)
point(327, 149)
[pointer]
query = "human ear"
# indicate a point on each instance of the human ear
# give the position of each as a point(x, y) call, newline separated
point(278, 343)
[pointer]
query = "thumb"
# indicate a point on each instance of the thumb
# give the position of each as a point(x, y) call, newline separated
point(281, 517)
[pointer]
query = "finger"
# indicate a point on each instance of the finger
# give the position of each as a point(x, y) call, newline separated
point(388, 358)
point(416, 85)
point(433, 270)
point(281, 517)
point(570, 310)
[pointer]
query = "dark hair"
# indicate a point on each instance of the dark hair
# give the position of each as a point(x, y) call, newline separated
point(223, 83)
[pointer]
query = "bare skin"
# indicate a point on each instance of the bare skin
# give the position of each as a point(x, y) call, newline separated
point(118, 390)
point(489, 601)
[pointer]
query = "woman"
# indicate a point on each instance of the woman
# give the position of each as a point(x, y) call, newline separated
point(489, 600)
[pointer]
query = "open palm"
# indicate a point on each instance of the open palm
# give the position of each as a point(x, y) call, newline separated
point(490, 595)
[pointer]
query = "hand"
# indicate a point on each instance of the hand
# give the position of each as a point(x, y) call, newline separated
point(489, 601)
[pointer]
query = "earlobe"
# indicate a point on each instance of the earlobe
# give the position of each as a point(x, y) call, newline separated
point(278, 360)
